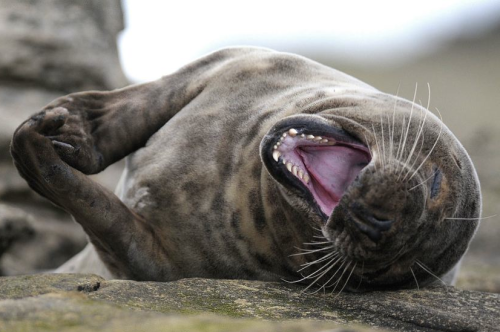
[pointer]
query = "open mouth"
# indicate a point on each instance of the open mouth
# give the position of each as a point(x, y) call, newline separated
point(324, 165)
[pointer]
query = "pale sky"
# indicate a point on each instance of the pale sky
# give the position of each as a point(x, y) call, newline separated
point(161, 36)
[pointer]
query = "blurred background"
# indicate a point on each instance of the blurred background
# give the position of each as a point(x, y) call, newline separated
point(49, 48)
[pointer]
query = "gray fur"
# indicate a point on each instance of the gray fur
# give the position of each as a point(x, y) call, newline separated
point(202, 197)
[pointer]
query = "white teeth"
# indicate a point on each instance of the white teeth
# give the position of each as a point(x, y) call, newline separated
point(275, 147)
point(284, 161)
point(282, 138)
point(278, 144)
point(301, 174)
point(302, 135)
point(292, 132)
point(289, 167)
point(306, 178)
point(294, 170)
point(324, 140)
point(284, 135)
point(310, 137)
point(332, 142)
point(276, 155)
point(318, 138)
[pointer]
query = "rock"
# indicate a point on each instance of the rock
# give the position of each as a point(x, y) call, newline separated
point(15, 225)
point(74, 312)
point(88, 302)
point(50, 48)
point(61, 45)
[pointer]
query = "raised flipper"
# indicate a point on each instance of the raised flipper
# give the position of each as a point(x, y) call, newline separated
point(83, 133)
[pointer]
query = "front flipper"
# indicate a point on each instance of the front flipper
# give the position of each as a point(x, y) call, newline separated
point(124, 241)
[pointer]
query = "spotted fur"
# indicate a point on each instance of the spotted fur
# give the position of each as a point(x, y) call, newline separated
point(201, 195)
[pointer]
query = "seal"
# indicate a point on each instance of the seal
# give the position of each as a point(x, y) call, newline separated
point(254, 164)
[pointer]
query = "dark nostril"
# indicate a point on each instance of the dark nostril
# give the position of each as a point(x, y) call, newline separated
point(367, 223)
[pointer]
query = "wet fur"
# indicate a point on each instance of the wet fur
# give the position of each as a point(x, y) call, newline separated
point(198, 198)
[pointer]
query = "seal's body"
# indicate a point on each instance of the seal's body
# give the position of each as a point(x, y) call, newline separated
point(254, 164)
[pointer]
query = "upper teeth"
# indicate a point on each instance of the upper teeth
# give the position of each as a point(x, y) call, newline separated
point(295, 169)
point(276, 155)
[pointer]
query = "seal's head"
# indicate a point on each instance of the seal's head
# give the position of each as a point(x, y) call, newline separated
point(393, 194)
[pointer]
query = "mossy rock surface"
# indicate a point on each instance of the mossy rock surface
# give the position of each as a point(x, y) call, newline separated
point(76, 302)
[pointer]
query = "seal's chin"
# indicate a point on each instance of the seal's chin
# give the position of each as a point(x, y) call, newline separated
point(324, 165)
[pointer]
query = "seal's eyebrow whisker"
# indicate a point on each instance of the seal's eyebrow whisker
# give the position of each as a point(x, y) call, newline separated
point(419, 133)
point(384, 157)
point(419, 154)
point(378, 147)
point(432, 149)
point(401, 139)
point(426, 269)
point(409, 122)
point(394, 122)
point(421, 183)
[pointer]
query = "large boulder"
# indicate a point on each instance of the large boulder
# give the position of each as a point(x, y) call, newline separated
point(47, 49)
point(75, 302)
point(61, 45)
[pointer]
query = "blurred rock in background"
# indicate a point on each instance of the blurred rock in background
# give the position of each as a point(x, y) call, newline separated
point(48, 48)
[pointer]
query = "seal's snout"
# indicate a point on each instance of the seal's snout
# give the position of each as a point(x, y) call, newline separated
point(380, 203)
point(368, 223)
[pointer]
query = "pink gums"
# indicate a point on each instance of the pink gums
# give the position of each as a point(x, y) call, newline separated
point(328, 168)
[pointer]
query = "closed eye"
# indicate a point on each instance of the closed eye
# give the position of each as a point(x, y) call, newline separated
point(436, 183)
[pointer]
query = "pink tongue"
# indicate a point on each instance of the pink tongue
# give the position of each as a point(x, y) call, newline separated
point(332, 170)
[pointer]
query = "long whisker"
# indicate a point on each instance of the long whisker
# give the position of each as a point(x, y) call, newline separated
point(383, 140)
point(369, 148)
point(420, 130)
point(414, 277)
point(317, 229)
point(488, 217)
point(394, 122)
point(378, 147)
point(316, 280)
point(432, 149)
point(340, 278)
point(312, 275)
point(322, 259)
point(421, 183)
point(401, 138)
point(325, 285)
point(348, 277)
point(418, 154)
point(409, 122)
point(309, 251)
point(428, 271)
point(316, 243)
point(361, 275)
point(322, 274)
